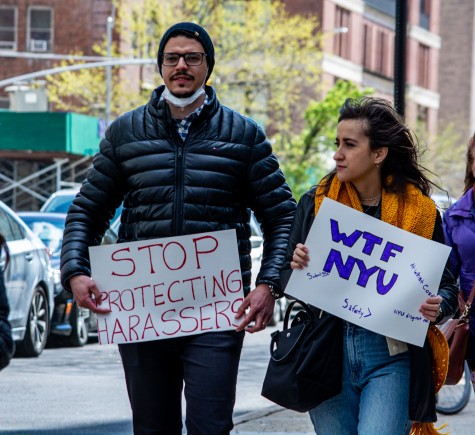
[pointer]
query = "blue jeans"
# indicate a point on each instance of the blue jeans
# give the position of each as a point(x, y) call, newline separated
point(375, 394)
point(155, 371)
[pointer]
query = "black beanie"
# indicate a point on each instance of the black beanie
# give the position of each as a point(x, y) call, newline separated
point(193, 31)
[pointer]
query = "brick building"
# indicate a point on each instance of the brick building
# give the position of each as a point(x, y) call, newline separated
point(48, 26)
point(358, 45)
point(457, 70)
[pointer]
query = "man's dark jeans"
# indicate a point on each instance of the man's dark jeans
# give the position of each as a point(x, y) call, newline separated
point(207, 365)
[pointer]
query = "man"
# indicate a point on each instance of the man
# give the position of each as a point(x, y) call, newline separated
point(183, 164)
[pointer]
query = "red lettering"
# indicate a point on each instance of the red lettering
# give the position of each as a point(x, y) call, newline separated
point(133, 322)
point(101, 331)
point(169, 292)
point(202, 319)
point(118, 331)
point(114, 296)
point(156, 295)
point(237, 282)
point(131, 301)
point(113, 257)
point(219, 285)
point(152, 270)
point(164, 320)
point(193, 286)
point(234, 309)
point(142, 288)
point(182, 315)
point(221, 312)
point(149, 325)
point(210, 249)
point(183, 253)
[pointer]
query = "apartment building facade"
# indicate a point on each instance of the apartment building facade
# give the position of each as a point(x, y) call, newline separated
point(457, 66)
point(41, 27)
point(359, 46)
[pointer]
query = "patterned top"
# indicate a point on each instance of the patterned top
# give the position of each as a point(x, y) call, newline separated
point(183, 125)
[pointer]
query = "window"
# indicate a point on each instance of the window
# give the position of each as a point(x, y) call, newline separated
point(424, 16)
point(342, 39)
point(7, 28)
point(423, 63)
point(367, 47)
point(381, 53)
point(40, 32)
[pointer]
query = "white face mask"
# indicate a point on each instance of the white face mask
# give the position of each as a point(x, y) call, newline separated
point(181, 102)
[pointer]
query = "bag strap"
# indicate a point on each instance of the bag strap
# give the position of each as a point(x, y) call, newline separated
point(472, 295)
point(468, 306)
point(288, 311)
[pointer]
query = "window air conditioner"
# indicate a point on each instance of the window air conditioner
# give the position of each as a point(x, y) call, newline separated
point(38, 45)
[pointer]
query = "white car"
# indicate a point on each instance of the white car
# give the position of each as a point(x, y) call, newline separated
point(29, 284)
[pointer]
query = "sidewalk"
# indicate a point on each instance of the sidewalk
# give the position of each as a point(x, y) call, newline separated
point(275, 420)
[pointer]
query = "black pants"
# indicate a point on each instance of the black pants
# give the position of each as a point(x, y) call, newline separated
point(207, 366)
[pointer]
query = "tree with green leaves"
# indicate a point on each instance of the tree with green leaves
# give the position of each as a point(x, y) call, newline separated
point(267, 59)
point(308, 157)
point(444, 156)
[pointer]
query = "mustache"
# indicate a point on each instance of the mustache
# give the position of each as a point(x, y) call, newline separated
point(181, 74)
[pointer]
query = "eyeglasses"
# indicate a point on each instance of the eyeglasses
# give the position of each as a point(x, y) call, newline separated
point(191, 59)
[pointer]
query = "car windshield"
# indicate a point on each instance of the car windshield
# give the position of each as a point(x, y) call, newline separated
point(59, 204)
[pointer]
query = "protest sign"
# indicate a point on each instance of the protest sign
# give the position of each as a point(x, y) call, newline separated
point(168, 287)
point(369, 273)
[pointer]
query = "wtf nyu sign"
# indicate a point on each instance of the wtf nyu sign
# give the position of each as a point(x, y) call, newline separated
point(369, 272)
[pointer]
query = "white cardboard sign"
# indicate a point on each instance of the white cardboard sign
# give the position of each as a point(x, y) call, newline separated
point(168, 287)
point(369, 273)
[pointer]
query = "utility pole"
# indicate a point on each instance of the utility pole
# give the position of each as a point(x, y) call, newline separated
point(400, 57)
point(110, 25)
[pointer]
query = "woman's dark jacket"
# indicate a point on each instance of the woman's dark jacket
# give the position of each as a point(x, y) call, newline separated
point(169, 187)
point(422, 393)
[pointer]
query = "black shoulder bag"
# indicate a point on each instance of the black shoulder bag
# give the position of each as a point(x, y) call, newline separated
point(305, 366)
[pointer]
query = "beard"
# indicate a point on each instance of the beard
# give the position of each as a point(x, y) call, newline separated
point(183, 94)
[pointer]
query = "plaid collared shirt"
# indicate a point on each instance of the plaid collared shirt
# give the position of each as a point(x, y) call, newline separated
point(183, 125)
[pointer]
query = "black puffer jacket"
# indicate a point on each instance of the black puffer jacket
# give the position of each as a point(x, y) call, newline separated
point(209, 182)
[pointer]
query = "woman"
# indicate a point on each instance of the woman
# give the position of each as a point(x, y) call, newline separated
point(377, 173)
point(6, 341)
point(459, 226)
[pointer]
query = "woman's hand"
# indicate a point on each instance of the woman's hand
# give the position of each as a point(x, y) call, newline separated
point(300, 258)
point(430, 309)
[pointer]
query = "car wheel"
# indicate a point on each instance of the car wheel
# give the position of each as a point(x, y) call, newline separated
point(37, 326)
point(80, 332)
point(277, 315)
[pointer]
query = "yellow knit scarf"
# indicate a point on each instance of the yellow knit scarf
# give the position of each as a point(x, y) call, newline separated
point(416, 213)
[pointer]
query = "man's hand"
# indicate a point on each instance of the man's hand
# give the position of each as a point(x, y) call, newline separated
point(261, 308)
point(83, 287)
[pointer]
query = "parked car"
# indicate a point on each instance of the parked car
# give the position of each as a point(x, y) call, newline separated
point(29, 283)
point(60, 201)
point(69, 320)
